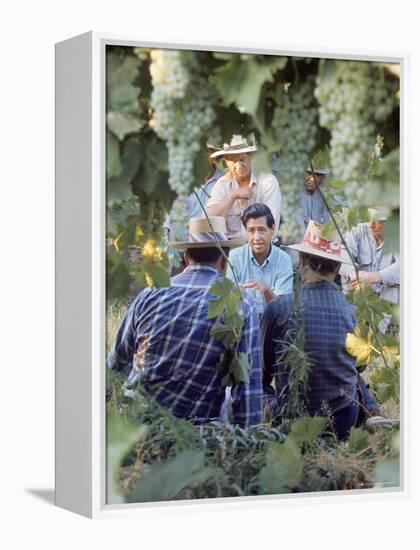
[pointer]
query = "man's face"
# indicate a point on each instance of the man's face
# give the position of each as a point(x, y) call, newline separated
point(310, 181)
point(377, 228)
point(239, 165)
point(259, 235)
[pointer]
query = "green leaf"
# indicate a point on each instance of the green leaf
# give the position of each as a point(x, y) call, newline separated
point(113, 162)
point(121, 125)
point(130, 234)
point(392, 232)
point(383, 187)
point(229, 331)
point(227, 296)
point(153, 274)
point(240, 81)
point(307, 428)
point(386, 382)
point(282, 469)
point(121, 72)
point(326, 70)
point(241, 368)
point(117, 277)
point(165, 481)
point(122, 435)
point(358, 439)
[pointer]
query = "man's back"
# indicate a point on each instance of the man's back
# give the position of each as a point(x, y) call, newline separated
point(327, 318)
point(175, 357)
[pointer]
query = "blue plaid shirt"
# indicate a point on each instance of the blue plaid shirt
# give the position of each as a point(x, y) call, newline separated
point(327, 318)
point(164, 343)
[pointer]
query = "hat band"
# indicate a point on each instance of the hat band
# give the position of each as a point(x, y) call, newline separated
point(235, 147)
point(315, 241)
point(206, 237)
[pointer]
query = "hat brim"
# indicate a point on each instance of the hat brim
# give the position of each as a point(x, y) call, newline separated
point(234, 243)
point(315, 252)
point(320, 171)
point(223, 152)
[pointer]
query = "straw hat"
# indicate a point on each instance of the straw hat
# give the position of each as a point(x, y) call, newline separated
point(201, 235)
point(237, 145)
point(316, 245)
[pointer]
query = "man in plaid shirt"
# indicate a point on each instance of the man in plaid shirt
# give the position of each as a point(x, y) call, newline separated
point(334, 386)
point(164, 341)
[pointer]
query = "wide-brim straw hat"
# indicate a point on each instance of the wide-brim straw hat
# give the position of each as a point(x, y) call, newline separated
point(378, 213)
point(237, 145)
point(316, 245)
point(202, 235)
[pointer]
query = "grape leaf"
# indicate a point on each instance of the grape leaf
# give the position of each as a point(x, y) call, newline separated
point(117, 277)
point(386, 382)
point(283, 467)
point(359, 347)
point(227, 296)
point(307, 428)
point(121, 125)
point(358, 439)
point(113, 161)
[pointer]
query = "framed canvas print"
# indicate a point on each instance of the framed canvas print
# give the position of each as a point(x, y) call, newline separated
point(228, 274)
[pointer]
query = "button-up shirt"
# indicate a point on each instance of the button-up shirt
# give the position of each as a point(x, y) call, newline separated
point(164, 344)
point(371, 257)
point(311, 207)
point(266, 190)
point(276, 271)
point(327, 317)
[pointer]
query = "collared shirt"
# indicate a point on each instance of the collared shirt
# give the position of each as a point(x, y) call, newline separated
point(371, 257)
point(327, 318)
point(266, 190)
point(311, 207)
point(276, 271)
point(194, 209)
point(164, 343)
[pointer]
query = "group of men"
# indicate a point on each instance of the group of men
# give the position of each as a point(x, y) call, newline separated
point(165, 343)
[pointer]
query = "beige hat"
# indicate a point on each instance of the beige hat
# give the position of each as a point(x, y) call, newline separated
point(316, 245)
point(320, 171)
point(237, 145)
point(379, 213)
point(201, 235)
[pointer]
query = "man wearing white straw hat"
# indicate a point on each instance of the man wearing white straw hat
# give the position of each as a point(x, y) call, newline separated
point(164, 343)
point(333, 384)
point(240, 187)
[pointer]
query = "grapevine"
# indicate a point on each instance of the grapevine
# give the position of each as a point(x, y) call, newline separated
point(295, 127)
point(183, 112)
point(352, 101)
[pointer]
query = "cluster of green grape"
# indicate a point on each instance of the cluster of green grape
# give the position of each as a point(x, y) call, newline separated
point(354, 97)
point(295, 126)
point(183, 112)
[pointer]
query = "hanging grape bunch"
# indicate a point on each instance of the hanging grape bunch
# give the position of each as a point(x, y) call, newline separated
point(352, 100)
point(183, 112)
point(295, 127)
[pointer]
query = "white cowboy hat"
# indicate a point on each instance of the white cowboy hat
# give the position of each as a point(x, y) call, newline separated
point(237, 145)
point(202, 235)
point(316, 245)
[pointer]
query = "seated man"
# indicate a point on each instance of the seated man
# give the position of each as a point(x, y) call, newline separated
point(379, 269)
point(259, 265)
point(165, 344)
point(235, 191)
point(334, 386)
point(311, 206)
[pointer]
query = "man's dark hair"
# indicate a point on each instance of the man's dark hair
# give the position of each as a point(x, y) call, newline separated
point(319, 264)
point(205, 255)
point(258, 210)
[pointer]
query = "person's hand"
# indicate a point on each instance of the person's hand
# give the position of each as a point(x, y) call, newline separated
point(255, 285)
point(365, 278)
point(243, 193)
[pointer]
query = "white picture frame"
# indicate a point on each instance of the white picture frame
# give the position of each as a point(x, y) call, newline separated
point(80, 275)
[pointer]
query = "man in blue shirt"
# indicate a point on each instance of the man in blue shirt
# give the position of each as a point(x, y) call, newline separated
point(311, 206)
point(333, 385)
point(259, 266)
point(165, 344)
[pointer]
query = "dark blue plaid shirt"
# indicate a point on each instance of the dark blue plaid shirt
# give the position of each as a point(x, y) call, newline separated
point(164, 343)
point(327, 318)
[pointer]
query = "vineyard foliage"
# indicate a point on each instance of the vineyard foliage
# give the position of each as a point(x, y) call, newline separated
point(162, 107)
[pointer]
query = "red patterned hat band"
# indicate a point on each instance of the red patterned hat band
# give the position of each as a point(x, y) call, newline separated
point(315, 241)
